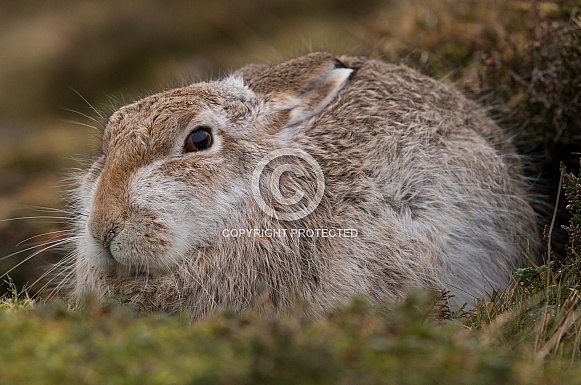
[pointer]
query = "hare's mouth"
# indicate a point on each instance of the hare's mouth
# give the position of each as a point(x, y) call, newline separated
point(136, 273)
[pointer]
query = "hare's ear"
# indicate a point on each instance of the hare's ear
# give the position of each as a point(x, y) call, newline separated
point(299, 88)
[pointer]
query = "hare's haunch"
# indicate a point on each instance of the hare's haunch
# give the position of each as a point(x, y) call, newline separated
point(316, 179)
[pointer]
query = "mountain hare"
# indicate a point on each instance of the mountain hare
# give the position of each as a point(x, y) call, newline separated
point(314, 180)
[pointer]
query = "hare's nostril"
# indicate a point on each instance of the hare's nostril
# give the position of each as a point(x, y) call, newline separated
point(110, 235)
point(99, 248)
point(109, 243)
point(105, 238)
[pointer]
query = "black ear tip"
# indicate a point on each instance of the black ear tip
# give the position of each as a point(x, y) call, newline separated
point(339, 64)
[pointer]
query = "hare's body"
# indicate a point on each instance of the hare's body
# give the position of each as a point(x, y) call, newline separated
point(429, 189)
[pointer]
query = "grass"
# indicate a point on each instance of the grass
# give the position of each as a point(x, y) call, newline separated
point(360, 344)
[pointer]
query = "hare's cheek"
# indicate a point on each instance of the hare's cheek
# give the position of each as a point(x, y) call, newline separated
point(186, 206)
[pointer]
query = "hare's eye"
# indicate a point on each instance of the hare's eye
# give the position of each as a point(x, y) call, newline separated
point(199, 139)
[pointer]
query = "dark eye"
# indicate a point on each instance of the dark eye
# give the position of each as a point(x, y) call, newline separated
point(199, 139)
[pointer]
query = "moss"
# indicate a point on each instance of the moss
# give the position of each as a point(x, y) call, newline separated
point(356, 344)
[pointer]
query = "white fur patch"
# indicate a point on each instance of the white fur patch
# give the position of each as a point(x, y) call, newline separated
point(338, 77)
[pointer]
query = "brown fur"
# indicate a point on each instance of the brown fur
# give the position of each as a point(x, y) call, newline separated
point(432, 185)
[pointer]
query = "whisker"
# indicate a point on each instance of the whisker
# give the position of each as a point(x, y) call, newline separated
point(42, 235)
point(49, 242)
point(61, 284)
point(89, 104)
point(192, 273)
point(48, 209)
point(64, 266)
point(84, 115)
point(61, 267)
point(81, 124)
point(53, 269)
point(34, 217)
point(51, 245)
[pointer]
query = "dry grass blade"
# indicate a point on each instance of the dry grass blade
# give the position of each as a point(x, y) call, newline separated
point(565, 320)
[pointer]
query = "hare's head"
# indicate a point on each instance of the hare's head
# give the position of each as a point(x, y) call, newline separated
point(176, 167)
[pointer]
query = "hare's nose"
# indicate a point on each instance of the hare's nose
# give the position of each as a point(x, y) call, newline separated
point(109, 235)
point(104, 231)
point(109, 209)
point(108, 240)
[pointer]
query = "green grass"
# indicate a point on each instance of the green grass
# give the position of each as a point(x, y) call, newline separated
point(54, 343)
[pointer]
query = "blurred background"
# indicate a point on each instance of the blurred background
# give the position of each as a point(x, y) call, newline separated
point(65, 65)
